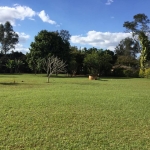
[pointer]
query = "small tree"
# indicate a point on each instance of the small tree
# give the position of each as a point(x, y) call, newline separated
point(10, 65)
point(52, 65)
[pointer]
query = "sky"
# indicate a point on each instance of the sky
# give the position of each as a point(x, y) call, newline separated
point(91, 23)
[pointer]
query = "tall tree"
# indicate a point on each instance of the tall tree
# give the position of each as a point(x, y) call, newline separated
point(8, 38)
point(140, 27)
point(127, 51)
point(47, 44)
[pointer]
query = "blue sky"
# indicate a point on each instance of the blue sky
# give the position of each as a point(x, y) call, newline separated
point(91, 23)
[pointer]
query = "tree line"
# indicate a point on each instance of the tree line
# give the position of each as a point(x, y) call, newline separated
point(51, 52)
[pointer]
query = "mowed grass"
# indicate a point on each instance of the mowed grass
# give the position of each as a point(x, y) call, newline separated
point(74, 113)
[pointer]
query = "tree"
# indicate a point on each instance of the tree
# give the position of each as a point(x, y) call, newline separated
point(75, 65)
point(145, 53)
point(91, 61)
point(65, 35)
point(139, 27)
point(49, 43)
point(53, 64)
point(98, 62)
point(10, 65)
point(8, 38)
point(127, 51)
point(18, 63)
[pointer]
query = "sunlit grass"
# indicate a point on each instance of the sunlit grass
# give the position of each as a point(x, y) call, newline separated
point(74, 113)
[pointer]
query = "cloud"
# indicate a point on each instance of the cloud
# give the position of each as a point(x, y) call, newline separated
point(104, 40)
point(21, 48)
point(18, 12)
point(23, 37)
point(13, 13)
point(109, 2)
point(45, 18)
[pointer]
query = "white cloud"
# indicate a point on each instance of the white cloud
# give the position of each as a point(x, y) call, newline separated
point(105, 40)
point(45, 18)
point(23, 37)
point(21, 48)
point(109, 2)
point(18, 12)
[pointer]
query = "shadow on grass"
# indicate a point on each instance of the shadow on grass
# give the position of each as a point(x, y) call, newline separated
point(11, 83)
point(10, 74)
point(117, 78)
point(65, 76)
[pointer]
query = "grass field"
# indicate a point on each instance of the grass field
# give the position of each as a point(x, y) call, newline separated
point(74, 113)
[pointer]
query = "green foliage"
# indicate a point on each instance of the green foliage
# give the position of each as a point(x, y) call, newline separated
point(147, 73)
point(92, 62)
point(142, 73)
point(118, 72)
point(14, 65)
point(140, 26)
point(128, 72)
point(47, 44)
point(98, 62)
point(127, 47)
point(131, 73)
point(8, 38)
point(145, 52)
point(140, 23)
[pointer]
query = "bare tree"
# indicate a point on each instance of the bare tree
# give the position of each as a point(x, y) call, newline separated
point(52, 65)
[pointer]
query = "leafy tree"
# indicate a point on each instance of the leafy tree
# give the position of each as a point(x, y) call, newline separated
point(92, 62)
point(33, 62)
point(127, 51)
point(65, 36)
point(47, 44)
point(145, 53)
point(75, 65)
point(140, 27)
point(10, 64)
point(18, 63)
point(8, 38)
point(98, 62)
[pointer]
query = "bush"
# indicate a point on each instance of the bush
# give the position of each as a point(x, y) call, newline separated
point(141, 73)
point(135, 74)
point(118, 72)
point(131, 73)
point(147, 73)
point(128, 72)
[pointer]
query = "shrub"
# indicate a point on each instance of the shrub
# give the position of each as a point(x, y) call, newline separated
point(147, 73)
point(141, 73)
point(128, 72)
point(118, 72)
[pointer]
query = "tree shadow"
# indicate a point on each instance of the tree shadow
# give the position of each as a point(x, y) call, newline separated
point(11, 83)
point(117, 78)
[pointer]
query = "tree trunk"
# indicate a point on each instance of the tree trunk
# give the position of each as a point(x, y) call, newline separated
point(48, 77)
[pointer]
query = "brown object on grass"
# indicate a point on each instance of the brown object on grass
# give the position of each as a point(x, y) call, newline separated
point(92, 77)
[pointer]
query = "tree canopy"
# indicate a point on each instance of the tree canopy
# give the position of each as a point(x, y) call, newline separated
point(47, 44)
point(140, 27)
point(8, 38)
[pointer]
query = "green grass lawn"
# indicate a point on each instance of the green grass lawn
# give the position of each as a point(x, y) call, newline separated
point(74, 113)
